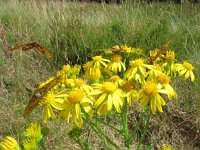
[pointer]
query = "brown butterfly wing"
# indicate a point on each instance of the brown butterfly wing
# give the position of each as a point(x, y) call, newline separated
point(33, 103)
point(44, 51)
point(28, 46)
point(39, 95)
point(24, 47)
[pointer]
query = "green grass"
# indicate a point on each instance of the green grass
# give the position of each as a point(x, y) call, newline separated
point(74, 32)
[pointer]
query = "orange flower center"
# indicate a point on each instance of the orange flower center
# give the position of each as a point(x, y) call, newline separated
point(116, 58)
point(150, 89)
point(75, 96)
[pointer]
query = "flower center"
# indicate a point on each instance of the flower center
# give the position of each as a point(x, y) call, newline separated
point(75, 96)
point(188, 66)
point(136, 63)
point(109, 87)
point(79, 82)
point(163, 79)
point(115, 78)
point(127, 86)
point(150, 89)
point(170, 55)
point(48, 98)
point(116, 58)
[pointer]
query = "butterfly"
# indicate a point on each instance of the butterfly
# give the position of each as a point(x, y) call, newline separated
point(39, 94)
point(28, 46)
point(160, 52)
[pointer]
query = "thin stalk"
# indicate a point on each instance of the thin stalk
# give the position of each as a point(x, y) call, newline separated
point(145, 130)
point(136, 128)
point(125, 124)
point(80, 143)
point(104, 135)
point(107, 124)
point(97, 129)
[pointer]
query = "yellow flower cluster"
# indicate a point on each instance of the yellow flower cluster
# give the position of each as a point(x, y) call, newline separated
point(32, 138)
point(121, 74)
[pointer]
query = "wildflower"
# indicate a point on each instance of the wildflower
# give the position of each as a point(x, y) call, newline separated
point(164, 80)
point(164, 147)
point(81, 84)
point(169, 65)
point(34, 132)
point(170, 56)
point(150, 94)
point(131, 93)
point(108, 94)
point(93, 74)
point(64, 70)
point(97, 62)
point(154, 71)
point(127, 49)
point(75, 100)
point(9, 143)
point(137, 50)
point(137, 71)
point(116, 64)
point(30, 144)
point(51, 101)
point(185, 68)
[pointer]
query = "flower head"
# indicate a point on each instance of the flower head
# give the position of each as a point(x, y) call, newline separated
point(137, 72)
point(150, 94)
point(185, 69)
point(34, 132)
point(107, 95)
point(129, 89)
point(9, 143)
point(165, 147)
point(116, 64)
point(50, 102)
point(170, 55)
point(76, 99)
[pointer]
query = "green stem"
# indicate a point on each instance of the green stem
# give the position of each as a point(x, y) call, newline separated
point(98, 130)
point(107, 124)
point(136, 128)
point(103, 134)
point(145, 130)
point(80, 143)
point(125, 124)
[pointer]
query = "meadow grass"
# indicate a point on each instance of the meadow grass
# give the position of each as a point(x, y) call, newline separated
point(73, 32)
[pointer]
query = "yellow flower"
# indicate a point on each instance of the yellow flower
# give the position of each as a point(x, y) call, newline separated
point(170, 55)
point(98, 62)
point(137, 72)
point(127, 49)
point(164, 147)
point(154, 71)
point(150, 94)
point(164, 80)
point(107, 95)
point(51, 101)
point(131, 93)
point(75, 100)
point(34, 132)
point(30, 144)
point(9, 143)
point(64, 70)
point(93, 74)
point(116, 64)
point(185, 68)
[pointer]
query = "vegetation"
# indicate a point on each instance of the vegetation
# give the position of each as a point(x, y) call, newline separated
point(73, 32)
